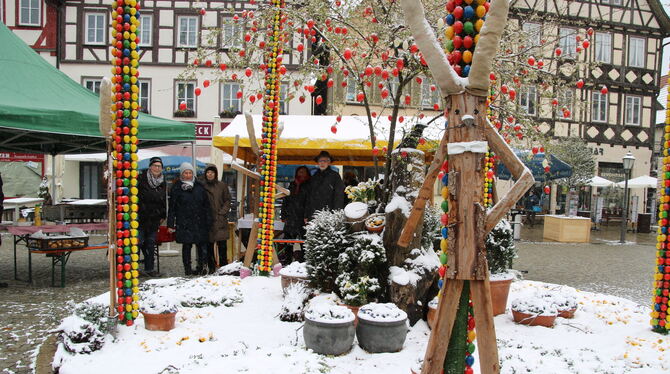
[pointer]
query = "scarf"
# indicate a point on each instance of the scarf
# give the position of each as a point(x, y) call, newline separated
point(154, 182)
point(187, 185)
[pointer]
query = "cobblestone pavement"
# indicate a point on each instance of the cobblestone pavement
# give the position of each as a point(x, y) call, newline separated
point(30, 311)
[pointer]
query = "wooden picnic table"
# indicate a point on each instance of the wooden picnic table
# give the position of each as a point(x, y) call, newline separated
point(58, 257)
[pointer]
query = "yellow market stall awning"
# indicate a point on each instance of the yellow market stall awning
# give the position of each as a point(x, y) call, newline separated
point(304, 137)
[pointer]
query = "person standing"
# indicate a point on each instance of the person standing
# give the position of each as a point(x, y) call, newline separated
point(219, 201)
point(326, 189)
point(152, 196)
point(190, 215)
point(293, 212)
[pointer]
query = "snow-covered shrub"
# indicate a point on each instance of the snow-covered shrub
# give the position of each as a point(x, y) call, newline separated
point(325, 239)
point(431, 226)
point(294, 269)
point(500, 249)
point(78, 335)
point(295, 297)
point(535, 305)
point(194, 293)
point(230, 269)
point(156, 301)
point(361, 267)
point(562, 300)
point(94, 312)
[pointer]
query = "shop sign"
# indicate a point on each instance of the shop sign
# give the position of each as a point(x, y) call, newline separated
point(203, 131)
point(14, 156)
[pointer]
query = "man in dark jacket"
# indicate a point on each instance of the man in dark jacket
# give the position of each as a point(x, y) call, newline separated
point(326, 189)
point(152, 200)
point(219, 200)
point(191, 217)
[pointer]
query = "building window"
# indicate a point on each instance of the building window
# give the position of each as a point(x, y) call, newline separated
point(528, 100)
point(633, 110)
point(30, 12)
point(604, 47)
point(636, 48)
point(230, 104)
point(188, 32)
point(283, 98)
point(598, 107)
point(565, 101)
point(567, 42)
point(392, 86)
point(429, 97)
point(146, 24)
point(186, 94)
point(144, 96)
point(351, 91)
point(95, 28)
point(231, 34)
point(93, 85)
point(533, 33)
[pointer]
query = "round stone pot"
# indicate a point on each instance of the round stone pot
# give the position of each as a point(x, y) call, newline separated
point(287, 280)
point(533, 319)
point(159, 322)
point(381, 336)
point(329, 338)
point(499, 294)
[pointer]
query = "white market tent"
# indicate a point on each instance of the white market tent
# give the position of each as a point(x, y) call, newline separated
point(304, 137)
point(597, 181)
point(644, 181)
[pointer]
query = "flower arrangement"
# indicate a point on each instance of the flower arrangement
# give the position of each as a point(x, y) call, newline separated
point(229, 113)
point(185, 113)
point(363, 192)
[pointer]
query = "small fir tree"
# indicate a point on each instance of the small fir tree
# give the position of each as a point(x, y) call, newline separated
point(500, 248)
point(325, 239)
point(362, 270)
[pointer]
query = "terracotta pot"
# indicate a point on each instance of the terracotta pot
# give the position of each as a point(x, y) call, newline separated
point(499, 294)
point(354, 310)
point(287, 280)
point(533, 320)
point(430, 318)
point(567, 313)
point(159, 322)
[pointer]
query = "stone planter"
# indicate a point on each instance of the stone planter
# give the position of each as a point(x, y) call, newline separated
point(159, 322)
point(381, 336)
point(499, 295)
point(354, 310)
point(533, 319)
point(329, 338)
point(287, 280)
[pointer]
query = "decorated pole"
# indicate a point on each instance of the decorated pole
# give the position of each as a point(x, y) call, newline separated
point(660, 318)
point(268, 152)
point(125, 60)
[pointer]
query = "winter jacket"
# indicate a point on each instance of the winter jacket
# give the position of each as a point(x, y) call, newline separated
point(152, 201)
point(326, 191)
point(219, 200)
point(293, 207)
point(190, 213)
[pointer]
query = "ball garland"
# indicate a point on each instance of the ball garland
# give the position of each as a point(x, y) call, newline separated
point(268, 157)
point(464, 21)
point(125, 62)
point(660, 319)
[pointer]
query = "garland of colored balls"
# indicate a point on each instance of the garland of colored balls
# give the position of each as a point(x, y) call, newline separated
point(269, 138)
point(660, 319)
point(464, 20)
point(125, 60)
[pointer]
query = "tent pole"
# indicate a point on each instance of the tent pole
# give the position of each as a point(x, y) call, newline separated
point(53, 179)
point(195, 163)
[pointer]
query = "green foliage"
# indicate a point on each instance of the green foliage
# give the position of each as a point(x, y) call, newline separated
point(500, 248)
point(325, 239)
point(576, 153)
point(361, 267)
point(431, 226)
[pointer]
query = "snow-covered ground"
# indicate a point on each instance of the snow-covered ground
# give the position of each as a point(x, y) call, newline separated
point(607, 335)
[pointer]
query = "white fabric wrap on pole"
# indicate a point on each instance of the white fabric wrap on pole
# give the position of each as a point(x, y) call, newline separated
point(462, 147)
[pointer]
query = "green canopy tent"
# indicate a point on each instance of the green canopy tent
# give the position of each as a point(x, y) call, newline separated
point(42, 110)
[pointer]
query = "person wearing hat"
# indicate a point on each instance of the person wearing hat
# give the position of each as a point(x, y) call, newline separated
point(326, 189)
point(152, 196)
point(219, 200)
point(190, 216)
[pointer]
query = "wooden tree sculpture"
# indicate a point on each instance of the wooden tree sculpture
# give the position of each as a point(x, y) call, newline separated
point(465, 142)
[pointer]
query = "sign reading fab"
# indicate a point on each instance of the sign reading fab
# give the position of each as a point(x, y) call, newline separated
point(203, 131)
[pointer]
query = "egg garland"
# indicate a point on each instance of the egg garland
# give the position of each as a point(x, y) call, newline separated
point(660, 319)
point(269, 138)
point(464, 21)
point(125, 62)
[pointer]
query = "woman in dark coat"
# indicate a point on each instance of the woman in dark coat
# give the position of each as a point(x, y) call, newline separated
point(190, 216)
point(293, 212)
point(152, 196)
point(219, 200)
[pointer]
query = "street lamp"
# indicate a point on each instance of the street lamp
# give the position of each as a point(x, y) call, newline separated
point(628, 162)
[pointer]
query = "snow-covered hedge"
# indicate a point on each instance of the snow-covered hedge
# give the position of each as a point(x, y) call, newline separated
point(361, 267)
point(500, 249)
point(194, 293)
point(325, 239)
